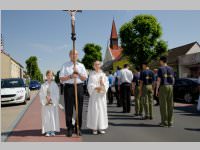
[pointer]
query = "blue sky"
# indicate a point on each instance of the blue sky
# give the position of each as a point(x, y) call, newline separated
point(46, 34)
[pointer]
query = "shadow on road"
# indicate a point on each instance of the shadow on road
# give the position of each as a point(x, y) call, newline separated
point(192, 129)
point(11, 105)
point(124, 118)
point(132, 125)
point(189, 110)
point(86, 131)
point(36, 132)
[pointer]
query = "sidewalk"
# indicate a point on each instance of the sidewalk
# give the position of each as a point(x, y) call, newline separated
point(29, 127)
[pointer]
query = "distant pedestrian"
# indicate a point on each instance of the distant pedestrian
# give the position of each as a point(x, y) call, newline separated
point(126, 78)
point(49, 98)
point(110, 92)
point(117, 86)
point(165, 92)
point(146, 90)
point(136, 88)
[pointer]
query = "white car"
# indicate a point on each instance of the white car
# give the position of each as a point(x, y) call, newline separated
point(14, 90)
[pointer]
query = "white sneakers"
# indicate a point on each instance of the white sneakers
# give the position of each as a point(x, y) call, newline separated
point(51, 133)
point(48, 134)
point(102, 131)
point(95, 132)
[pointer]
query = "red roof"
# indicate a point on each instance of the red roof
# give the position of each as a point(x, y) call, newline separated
point(116, 53)
point(113, 31)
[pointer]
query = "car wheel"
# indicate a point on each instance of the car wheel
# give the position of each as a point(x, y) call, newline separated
point(188, 98)
point(24, 103)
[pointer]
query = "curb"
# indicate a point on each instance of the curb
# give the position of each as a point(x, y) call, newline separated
point(16, 121)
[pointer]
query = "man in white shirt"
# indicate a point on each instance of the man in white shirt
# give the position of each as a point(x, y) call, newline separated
point(67, 75)
point(126, 78)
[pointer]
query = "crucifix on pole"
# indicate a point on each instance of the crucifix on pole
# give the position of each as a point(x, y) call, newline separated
point(73, 37)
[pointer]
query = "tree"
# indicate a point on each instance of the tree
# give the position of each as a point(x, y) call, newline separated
point(121, 63)
point(92, 53)
point(33, 70)
point(141, 39)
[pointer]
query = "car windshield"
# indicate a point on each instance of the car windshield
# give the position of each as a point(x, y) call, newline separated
point(11, 83)
point(33, 82)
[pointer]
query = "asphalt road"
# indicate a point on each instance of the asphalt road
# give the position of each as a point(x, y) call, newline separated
point(122, 127)
point(9, 113)
point(126, 128)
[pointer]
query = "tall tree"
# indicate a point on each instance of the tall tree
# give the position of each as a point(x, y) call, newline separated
point(92, 53)
point(33, 70)
point(141, 39)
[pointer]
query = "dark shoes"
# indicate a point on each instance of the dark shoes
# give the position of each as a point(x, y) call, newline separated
point(170, 125)
point(79, 133)
point(150, 118)
point(147, 118)
point(69, 133)
point(75, 131)
point(166, 125)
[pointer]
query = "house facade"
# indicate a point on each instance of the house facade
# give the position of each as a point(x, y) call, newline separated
point(10, 68)
point(184, 59)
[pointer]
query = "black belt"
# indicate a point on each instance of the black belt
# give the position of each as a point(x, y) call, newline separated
point(126, 83)
point(70, 85)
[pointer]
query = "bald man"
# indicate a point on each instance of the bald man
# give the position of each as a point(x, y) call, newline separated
point(67, 75)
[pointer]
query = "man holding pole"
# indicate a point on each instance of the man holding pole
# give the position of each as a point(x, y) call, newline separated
point(68, 73)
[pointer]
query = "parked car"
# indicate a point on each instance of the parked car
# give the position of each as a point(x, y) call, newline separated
point(34, 85)
point(14, 90)
point(186, 89)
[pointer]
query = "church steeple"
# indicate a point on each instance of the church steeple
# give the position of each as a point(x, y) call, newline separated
point(113, 37)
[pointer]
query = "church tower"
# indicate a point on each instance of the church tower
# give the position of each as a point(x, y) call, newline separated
point(114, 37)
point(113, 51)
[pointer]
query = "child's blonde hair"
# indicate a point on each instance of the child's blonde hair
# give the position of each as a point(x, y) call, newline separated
point(49, 71)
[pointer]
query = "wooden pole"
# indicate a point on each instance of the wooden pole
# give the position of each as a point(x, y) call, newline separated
point(74, 61)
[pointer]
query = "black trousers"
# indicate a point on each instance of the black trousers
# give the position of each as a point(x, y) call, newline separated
point(110, 95)
point(69, 99)
point(61, 88)
point(125, 89)
point(117, 94)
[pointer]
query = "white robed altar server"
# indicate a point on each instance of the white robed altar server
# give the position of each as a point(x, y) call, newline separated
point(97, 118)
point(49, 99)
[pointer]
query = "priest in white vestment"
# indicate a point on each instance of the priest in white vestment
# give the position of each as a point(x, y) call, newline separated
point(49, 99)
point(97, 118)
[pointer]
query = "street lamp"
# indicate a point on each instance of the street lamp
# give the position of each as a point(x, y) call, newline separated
point(73, 37)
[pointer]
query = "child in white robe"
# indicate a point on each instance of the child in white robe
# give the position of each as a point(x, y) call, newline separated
point(49, 99)
point(97, 118)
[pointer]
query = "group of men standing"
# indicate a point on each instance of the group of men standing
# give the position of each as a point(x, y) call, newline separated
point(146, 85)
